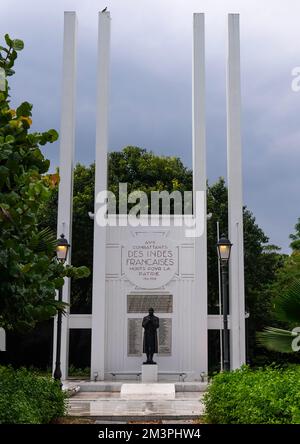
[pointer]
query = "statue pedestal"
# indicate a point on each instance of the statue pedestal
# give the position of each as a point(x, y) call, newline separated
point(147, 391)
point(149, 373)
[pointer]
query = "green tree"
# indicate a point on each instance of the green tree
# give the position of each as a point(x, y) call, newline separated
point(29, 273)
point(295, 244)
point(143, 170)
point(285, 309)
point(287, 274)
point(82, 237)
point(261, 261)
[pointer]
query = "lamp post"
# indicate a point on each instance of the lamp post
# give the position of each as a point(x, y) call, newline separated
point(62, 248)
point(224, 247)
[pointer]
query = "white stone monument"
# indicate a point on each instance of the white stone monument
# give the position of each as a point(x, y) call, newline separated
point(123, 292)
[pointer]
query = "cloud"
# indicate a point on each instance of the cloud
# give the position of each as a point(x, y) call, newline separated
point(151, 86)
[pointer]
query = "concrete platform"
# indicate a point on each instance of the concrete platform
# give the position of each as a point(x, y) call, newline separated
point(110, 407)
point(148, 392)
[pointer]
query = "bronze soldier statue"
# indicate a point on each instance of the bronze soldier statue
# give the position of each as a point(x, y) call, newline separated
point(150, 344)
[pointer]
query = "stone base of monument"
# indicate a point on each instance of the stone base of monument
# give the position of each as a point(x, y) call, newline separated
point(149, 373)
point(148, 391)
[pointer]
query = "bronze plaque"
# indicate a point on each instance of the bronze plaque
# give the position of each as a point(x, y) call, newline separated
point(140, 303)
point(134, 337)
point(165, 337)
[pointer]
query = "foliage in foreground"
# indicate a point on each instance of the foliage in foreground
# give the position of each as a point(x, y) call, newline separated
point(29, 273)
point(264, 396)
point(26, 397)
point(286, 309)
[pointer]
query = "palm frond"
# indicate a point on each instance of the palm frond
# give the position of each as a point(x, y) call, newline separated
point(44, 240)
point(287, 305)
point(277, 339)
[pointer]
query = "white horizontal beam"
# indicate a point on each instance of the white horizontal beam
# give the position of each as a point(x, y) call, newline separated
point(80, 321)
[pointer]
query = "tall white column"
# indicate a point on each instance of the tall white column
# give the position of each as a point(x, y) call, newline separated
point(98, 313)
point(235, 196)
point(67, 148)
point(199, 306)
point(2, 340)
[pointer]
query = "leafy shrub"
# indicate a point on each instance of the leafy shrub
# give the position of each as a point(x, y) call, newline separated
point(246, 396)
point(26, 397)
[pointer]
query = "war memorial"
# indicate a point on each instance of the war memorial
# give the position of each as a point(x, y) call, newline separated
point(158, 264)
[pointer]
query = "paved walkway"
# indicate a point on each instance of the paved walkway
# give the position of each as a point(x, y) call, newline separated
point(108, 406)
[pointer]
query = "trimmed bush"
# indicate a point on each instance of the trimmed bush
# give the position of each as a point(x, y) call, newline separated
point(26, 397)
point(246, 396)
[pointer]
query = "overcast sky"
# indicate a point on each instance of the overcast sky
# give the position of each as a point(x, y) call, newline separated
point(151, 86)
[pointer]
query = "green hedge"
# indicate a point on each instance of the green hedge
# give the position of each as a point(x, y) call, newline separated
point(26, 397)
point(263, 396)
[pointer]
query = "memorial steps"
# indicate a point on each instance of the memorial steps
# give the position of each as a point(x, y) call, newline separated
point(113, 401)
